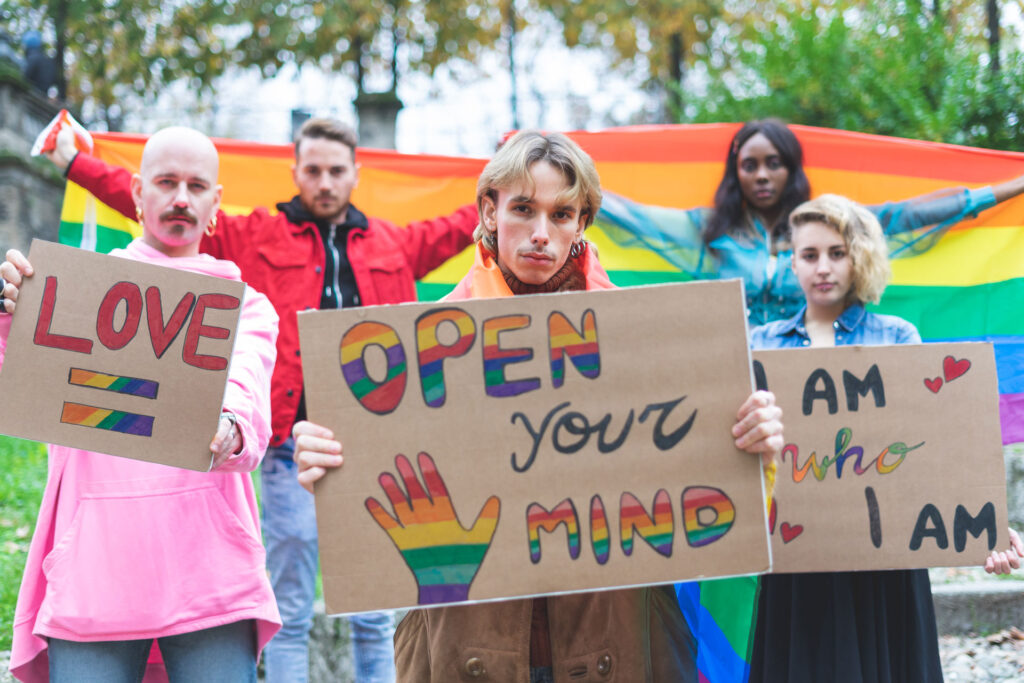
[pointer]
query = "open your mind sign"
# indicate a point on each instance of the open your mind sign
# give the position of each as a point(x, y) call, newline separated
point(533, 445)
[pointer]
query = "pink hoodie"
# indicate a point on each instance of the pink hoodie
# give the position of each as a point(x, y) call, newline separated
point(125, 549)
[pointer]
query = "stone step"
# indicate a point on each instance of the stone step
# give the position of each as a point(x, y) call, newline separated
point(978, 607)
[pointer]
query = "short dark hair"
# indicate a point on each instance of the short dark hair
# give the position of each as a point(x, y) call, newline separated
point(327, 129)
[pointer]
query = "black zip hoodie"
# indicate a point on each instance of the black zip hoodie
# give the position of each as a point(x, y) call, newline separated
point(340, 289)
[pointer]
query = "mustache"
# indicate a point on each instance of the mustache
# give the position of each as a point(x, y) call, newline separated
point(178, 214)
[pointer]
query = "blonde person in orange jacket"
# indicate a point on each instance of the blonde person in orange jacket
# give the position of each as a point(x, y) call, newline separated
point(536, 198)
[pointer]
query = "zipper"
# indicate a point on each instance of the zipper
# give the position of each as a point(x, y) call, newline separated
point(336, 259)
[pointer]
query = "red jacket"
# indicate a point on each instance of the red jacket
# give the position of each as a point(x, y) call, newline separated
point(285, 261)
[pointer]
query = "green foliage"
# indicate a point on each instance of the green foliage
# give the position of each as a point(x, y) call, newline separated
point(118, 49)
point(886, 68)
point(22, 479)
point(360, 35)
point(659, 37)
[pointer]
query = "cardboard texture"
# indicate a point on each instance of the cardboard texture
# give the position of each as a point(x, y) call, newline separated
point(893, 457)
point(116, 356)
point(541, 416)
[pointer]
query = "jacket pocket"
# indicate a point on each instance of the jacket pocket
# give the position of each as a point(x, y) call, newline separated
point(141, 563)
point(276, 255)
point(392, 279)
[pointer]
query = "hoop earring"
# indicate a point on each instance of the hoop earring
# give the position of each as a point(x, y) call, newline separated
point(138, 214)
point(211, 229)
point(576, 248)
point(490, 240)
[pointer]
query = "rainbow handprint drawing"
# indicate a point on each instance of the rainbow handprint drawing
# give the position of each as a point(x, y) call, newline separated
point(443, 556)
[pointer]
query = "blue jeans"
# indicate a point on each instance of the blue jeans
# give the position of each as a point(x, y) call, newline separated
point(223, 653)
point(289, 531)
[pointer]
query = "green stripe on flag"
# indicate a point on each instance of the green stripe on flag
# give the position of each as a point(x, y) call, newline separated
point(107, 239)
point(951, 312)
point(733, 602)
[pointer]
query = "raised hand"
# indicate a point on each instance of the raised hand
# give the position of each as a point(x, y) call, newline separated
point(443, 555)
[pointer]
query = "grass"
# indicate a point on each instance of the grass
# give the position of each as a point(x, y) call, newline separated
point(22, 478)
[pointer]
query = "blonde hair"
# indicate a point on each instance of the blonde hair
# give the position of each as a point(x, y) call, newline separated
point(512, 162)
point(869, 253)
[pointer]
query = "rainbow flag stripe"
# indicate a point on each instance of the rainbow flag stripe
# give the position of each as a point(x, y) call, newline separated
point(967, 287)
point(132, 386)
point(104, 418)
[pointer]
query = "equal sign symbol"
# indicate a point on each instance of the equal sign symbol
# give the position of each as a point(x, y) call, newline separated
point(106, 418)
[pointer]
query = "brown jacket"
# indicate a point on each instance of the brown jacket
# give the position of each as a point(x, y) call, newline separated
point(636, 635)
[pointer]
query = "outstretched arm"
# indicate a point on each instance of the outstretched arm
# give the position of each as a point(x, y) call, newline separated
point(110, 184)
point(1009, 189)
point(428, 244)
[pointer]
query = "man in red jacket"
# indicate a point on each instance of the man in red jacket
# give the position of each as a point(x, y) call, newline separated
point(319, 251)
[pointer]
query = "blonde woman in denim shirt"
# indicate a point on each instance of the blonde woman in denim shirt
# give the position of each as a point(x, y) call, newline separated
point(828, 626)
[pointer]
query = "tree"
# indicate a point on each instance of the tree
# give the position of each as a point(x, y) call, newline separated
point(889, 68)
point(364, 36)
point(120, 49)
point(111, 51)
point(661, 37)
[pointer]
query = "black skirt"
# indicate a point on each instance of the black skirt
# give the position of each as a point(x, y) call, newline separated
point(846, 627)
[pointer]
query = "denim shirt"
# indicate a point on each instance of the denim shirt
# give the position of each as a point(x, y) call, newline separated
point(771, 287)
point(854, 326)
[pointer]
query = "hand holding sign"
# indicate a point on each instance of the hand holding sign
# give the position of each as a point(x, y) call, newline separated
point(11, 272)
point(443, 555)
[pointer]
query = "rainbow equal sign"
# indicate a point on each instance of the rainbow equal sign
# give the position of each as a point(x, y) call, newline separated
point(133, 386)
point(105, 418)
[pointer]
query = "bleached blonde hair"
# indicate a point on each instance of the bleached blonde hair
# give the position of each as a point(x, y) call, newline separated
point(869, 253)
point(512, 162)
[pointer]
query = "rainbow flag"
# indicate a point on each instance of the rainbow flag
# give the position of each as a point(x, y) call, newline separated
point(966, 287)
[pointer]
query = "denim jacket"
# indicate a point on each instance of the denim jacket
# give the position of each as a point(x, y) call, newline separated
point(854, 326)
point(772, 290)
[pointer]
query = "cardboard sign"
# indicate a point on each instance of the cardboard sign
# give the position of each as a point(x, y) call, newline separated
point(533, 445)
point(893, 457)
point(116, 356)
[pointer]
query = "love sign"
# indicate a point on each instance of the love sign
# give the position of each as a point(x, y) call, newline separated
point(120, 357)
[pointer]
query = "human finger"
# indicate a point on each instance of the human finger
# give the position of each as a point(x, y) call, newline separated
point(307, 428)
point(310, 476)
point(21, 266)
point(758, 399)
point(760, 425)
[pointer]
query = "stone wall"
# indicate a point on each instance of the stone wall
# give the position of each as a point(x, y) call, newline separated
point(31, 190)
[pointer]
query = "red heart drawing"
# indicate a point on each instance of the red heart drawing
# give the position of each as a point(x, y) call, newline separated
point(790, 532)
point(933, 384)
point(772, 513)
point(953, 368)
